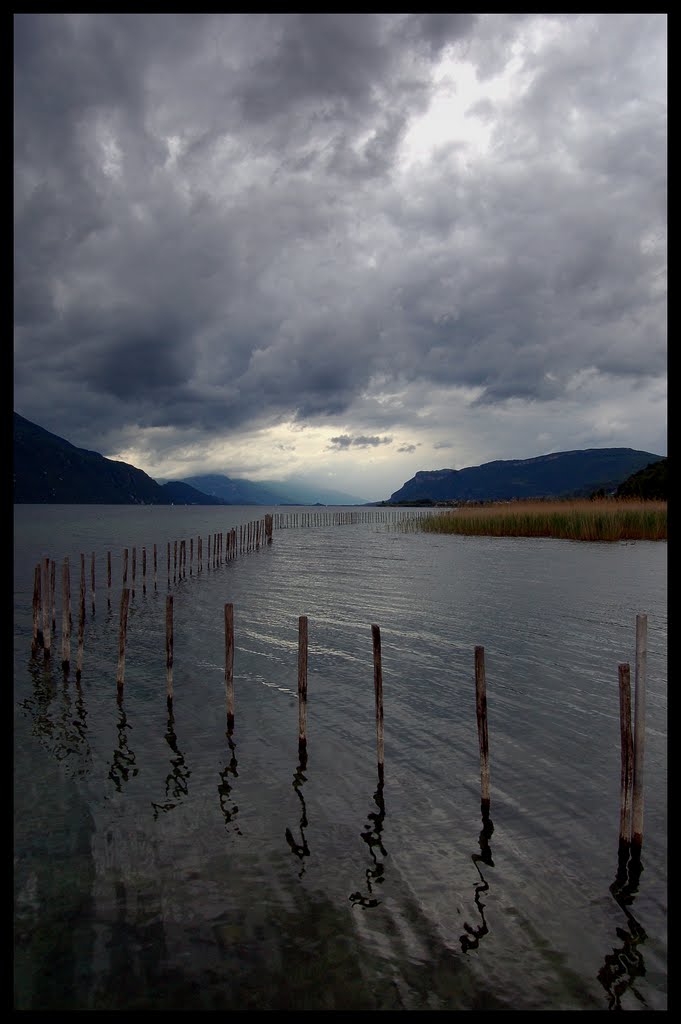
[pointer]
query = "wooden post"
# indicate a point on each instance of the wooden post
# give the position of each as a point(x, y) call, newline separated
point(81, 619)
point(108, 578)
point(92, 581)
point(191, 555)
point(122, 635)
point(378, 690)
point(229, 666)
point(53, 600)
point(125, 567)
point(134, 569)
point(626, 773)
point(47, 631)
point(169, 648)
point(66, 618)
point(144, 570)
point(37, 608)
point(481, 712)
point(302, 689)
point(639, 732)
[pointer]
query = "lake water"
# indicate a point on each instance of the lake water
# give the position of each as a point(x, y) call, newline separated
point(161, 864)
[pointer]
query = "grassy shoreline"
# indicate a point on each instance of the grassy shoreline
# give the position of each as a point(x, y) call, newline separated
point(601, 519)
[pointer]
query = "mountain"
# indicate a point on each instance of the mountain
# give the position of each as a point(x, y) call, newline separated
point(270, 492)
point(651, 483)
point(50, 470)
point(233, 491)
point(561, 474)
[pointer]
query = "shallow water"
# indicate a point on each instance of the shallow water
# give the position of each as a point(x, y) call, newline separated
point(161, 864)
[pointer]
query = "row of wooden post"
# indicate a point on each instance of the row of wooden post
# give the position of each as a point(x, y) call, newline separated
point(631, 813)
point(249, 537)
point(632, 742)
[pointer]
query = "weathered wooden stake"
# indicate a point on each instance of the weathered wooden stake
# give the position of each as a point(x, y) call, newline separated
point(302, 689)
point(639, 733)
point(66, 618)
point(144, 570)
point(169, 648)
point(53, 596)
point(37, 607)
point(626, 773)
point(229, 666)
point(47, 631)
point(122, 635)
point(81, 619)
point(481, 713)
point(134, 569)
point(125, 566)
point(378, 690)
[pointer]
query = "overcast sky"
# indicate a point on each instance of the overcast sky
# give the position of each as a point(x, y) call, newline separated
point(346, 246)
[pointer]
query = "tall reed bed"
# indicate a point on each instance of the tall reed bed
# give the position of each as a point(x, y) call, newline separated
point(603, 519)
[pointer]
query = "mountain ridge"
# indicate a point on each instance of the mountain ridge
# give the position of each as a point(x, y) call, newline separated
point(574, 473)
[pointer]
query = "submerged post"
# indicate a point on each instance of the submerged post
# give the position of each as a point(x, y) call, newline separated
point(53, 600)
point(169, 648)
point(626, 773)
point(81, 619)
point(378, 691)
point(229, 666)
point(639, 732)
point(37, 588)
point(483, 738)
point(302, 689)
point(46, 607)
point(66, 618)
point(122, 634)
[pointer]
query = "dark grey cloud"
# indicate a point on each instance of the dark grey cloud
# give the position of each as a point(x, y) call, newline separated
point(230, 223)
point(344, 441)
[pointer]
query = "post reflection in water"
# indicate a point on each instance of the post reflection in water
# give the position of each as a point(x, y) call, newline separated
point(225, 789)
point(123, 764)
point(472, 936)
point(300, 850)
point(177, 785)
point(372, 837)
point(621, 967)
point(62, 726)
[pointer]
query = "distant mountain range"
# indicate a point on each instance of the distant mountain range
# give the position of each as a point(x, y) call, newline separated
point(237, 491)
point(561, 474)
point(49, 470)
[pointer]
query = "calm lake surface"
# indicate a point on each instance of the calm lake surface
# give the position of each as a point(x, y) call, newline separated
point(161, 864)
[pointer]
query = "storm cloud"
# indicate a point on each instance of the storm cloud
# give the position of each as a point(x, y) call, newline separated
point(284, 241)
